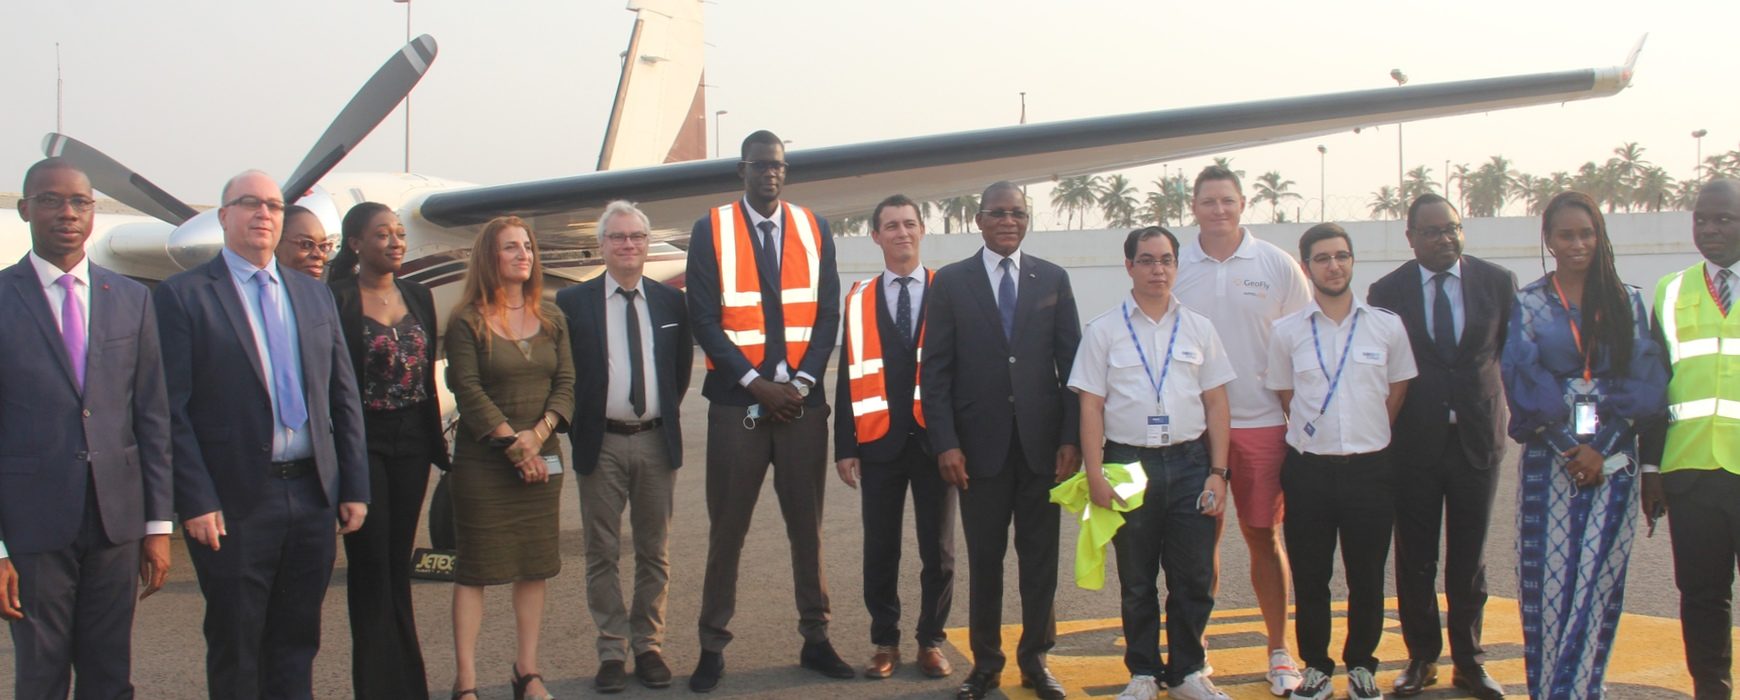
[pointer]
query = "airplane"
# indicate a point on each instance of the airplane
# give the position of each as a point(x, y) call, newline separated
point(655, 156)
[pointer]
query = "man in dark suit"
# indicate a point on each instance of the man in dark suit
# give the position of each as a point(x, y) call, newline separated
point(1448, 440)
point(879, 440)
point(268, 437)
point(1004, 426)
point(633, 334)
point(85, 482)
point(764, 297)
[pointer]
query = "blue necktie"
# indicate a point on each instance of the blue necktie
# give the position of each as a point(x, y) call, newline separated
point(1006, 297)
point(292, 412)
point(1443, 323)
point(1724, 291)
point(903, 311)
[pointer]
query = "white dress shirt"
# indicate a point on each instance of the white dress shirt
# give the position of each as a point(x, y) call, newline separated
point(994, 270)
point(1710, 272)
point(616, 403)
point(915, 288)
point(1107, 365)
point(1452, 290)
point(782, 373)
point(1242, 296)
point(1357, 421)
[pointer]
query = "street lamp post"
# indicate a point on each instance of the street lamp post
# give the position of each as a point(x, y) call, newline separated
point(1698, 167)
point(716, 116)
point(1322, 177)
point(1401, 79)
point(407, 4)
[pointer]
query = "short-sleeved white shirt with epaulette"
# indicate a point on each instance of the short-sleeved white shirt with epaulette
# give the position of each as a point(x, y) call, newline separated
point(1107, 364)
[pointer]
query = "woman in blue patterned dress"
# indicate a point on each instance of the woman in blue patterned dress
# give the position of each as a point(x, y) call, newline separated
point(1582, 374)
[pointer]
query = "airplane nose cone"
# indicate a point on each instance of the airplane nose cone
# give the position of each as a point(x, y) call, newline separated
point(196, 240)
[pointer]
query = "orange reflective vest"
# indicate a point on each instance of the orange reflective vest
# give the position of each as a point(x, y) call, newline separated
point(863, 348)
point(740, 285)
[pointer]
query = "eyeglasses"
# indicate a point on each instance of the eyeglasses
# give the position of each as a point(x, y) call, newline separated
point(1016, 214)
point(309, 245)
point(53, 202)
point(1163, 261)
point(250, 203)
point(763, 166)
point(637, 237)
point(1439, 232)
point(1341, 258)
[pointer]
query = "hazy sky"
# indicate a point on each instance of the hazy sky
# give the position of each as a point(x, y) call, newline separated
point(188, 92)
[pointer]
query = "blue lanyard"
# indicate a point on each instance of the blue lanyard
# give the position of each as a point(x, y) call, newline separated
point(1340, 365)
point(1166, 366)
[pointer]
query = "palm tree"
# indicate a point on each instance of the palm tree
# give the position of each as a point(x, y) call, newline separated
point(1489, 187)
point(1600, 182)
point(1226, 162)
point(854, 225)
point(1685, 194)
point(1653, 189)
point(1386, 203)
point(1628, 166)
point(1156, 204)
point(1075, 197)
point(1178, 191)
point(1418, 182)
point(1535, 192)
point(959, 209)
point(1272, 189)
point(1118, 202)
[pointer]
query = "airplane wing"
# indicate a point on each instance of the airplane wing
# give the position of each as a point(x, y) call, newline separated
point(840, 180)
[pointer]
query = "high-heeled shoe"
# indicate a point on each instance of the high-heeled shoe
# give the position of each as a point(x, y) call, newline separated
point(521, 682)
point(460, 694)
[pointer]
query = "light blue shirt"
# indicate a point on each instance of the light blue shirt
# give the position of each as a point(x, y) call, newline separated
point(289, 442)
point(1452, 289)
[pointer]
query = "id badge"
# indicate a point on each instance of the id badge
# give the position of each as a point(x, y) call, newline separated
point(1160, 430)
point(1585, 421)
point(553, 464)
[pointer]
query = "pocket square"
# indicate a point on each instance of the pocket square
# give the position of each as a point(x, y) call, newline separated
point(668, 325)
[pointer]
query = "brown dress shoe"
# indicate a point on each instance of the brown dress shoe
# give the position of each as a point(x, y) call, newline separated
point(932, 663)
point(882, 665)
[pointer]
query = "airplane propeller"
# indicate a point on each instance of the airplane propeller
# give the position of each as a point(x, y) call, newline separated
point(111, 178)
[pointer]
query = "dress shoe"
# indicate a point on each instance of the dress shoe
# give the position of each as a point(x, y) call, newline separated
point(1044, 685)
point(1414, 679)
point(821, 658)
point(611, 678)
point(707, 672)
point(979, 684)
point(883, 663)
point(650, 668)
point(1477, 683)
point(932, 663)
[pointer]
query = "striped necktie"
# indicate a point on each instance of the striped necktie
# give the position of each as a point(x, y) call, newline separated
point(1725, 290)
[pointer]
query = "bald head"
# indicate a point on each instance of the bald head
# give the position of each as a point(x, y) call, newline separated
point(252, 215)
point(1716, 222)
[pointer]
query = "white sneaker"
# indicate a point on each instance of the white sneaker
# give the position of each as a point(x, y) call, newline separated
point(1196, 686)
point(1314, 686)
point(1140, 688)
point(1361, 686)
point(1283, 675)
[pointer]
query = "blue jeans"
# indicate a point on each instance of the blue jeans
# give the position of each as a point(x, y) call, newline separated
point(1167, 532)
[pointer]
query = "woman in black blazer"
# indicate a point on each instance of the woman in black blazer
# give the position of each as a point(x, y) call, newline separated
point(390, 326)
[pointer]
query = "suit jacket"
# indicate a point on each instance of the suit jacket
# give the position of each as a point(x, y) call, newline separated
point(1471, 384)
point(48, 430)
point(701, 282)
point(220, 409)
point(979, 387)
point(673, 362)
point(899, 372)
point(421, 304)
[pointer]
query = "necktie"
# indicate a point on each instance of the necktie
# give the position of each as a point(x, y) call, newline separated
point(1443, 320)
point(72, 328)
point(768, 256)
point(1724, 290)
point(636, 370)
point(903, 310)
point(1006, 297)
point(292, 412)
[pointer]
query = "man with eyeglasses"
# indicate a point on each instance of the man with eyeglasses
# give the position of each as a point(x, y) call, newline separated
point(627, 440)
point(304, 247)
point(85, 492)
point(268, 446)
point(1242, 284)
point(1000, 337)
point(1151, 377)
point(1341, 368)
point(1449, 438)
point(764, 298)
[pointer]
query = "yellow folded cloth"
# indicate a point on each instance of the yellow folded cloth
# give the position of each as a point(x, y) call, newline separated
point(1099, 524)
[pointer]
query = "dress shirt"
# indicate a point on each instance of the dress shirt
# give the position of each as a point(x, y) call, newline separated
point(1452, 289)
point(1107, 365)
point(1357, 420)
point(1242, 296)
point(915, 289)
point(993, 270)
point(616, 403)
point(782, 373)
point(1710, 271)
point(289, 442)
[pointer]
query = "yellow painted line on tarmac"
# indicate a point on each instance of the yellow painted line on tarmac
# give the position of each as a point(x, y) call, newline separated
point(1089, 659)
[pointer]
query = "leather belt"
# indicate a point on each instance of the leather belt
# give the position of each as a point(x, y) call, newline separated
point(294, 469)
point(629, 427)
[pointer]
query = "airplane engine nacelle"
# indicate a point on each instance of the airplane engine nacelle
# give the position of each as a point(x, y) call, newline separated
point(196, 240)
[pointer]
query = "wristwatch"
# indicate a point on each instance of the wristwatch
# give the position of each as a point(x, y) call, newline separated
point(1220, 472)
point(802, 386)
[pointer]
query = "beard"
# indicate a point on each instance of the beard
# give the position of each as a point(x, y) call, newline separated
point(1326, 291)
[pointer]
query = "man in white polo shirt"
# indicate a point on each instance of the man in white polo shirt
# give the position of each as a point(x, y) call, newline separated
point(1342, 368)
point(1242, 285)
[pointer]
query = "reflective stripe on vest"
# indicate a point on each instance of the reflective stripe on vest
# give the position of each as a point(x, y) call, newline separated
point(864, 375)
point(1704, 392)
point(741, 315)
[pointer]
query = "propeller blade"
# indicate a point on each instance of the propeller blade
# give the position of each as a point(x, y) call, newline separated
point(377, 98)
point(111, 178)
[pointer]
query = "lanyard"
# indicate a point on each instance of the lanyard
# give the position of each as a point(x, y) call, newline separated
point(1340, 365)
point(1165, 367)
point(1576, 333)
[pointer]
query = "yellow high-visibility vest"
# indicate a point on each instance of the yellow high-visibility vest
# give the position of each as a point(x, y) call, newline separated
point(1704, 394)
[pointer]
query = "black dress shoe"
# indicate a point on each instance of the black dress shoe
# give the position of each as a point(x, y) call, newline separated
point(821, 658)
point(611, 678)
point(707, 672)
point(1414, 679)
point(1475, 681)
point(978, 685)
point(1044, 685)
point(650, 668)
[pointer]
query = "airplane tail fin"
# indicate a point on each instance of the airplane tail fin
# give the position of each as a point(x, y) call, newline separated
point(660, 113)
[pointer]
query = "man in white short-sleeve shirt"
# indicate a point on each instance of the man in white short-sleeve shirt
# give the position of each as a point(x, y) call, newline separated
point(1242, 285)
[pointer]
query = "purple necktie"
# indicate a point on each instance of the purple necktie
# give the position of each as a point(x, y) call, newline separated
point(72, 328)
point(292, 412)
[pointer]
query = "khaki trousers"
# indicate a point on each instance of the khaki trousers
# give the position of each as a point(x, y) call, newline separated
point(634, 473)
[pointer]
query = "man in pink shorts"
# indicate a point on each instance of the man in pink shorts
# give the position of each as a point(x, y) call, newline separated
point(1242, 285)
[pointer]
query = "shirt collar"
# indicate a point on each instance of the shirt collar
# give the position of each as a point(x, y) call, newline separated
point(1247, 247)
point(992, 260)
point(1426, 274)
point(1710, 269)
point(49, 275)
point(1317, 310)
point(611, 285)
point(755, 217)
point(917, 275)
point(244, 271)
point(1172, 306)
